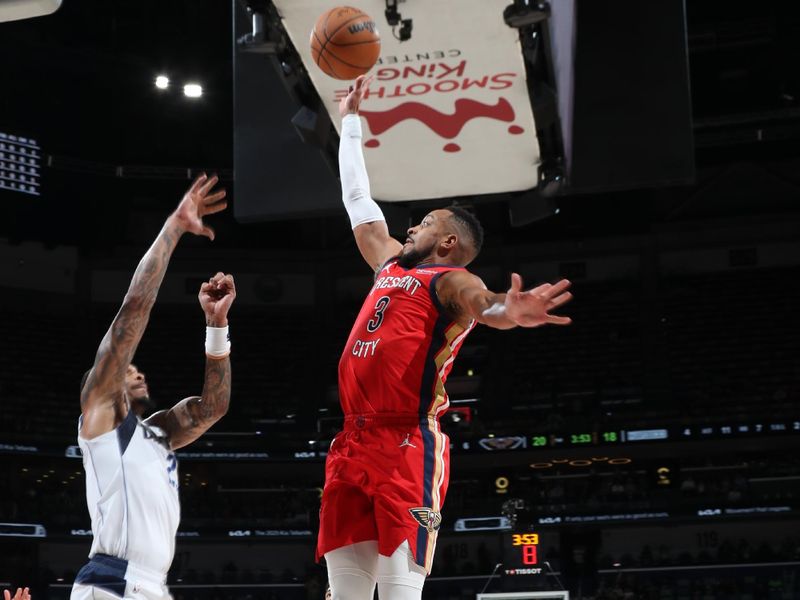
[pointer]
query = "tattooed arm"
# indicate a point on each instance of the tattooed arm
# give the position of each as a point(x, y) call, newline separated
point(103, 404)
point(192, 417)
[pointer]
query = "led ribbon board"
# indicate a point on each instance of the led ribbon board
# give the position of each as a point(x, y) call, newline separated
point(448, 113)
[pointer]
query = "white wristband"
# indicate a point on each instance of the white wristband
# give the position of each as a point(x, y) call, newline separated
point(218, 342)
point(358, 202)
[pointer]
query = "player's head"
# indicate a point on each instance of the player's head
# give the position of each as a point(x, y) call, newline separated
point(449, 235)
point(136, 390)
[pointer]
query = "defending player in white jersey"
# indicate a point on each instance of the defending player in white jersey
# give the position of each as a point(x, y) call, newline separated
point(131, 470)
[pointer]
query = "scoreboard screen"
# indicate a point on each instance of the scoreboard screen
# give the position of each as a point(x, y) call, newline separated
point(20, 164)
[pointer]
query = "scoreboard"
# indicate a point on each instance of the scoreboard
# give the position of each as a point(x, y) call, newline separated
point(628, 437)
point(20, 164)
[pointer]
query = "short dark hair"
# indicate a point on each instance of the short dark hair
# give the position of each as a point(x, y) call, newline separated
point(470, 225)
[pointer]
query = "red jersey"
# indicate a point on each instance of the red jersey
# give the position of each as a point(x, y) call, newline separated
point(386, 474)
point(401, 347)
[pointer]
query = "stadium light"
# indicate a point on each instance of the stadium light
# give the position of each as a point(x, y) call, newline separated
point(192, 90)
point(162, 82)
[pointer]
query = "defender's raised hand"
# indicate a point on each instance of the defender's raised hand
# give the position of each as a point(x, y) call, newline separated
point(350, 103)
point(216, 297)
point(197, 202)
point(532, 308)
point(22, 594)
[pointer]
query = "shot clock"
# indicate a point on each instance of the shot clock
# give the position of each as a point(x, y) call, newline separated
point(521, 553)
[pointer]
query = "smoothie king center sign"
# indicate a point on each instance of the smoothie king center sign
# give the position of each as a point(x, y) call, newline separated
point(448, 111)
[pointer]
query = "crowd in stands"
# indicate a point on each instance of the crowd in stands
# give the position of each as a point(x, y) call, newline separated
point(681, 359)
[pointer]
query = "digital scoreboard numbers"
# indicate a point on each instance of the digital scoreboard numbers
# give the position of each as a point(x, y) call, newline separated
point(593, 438)
point(521, 554)
point(20, 164)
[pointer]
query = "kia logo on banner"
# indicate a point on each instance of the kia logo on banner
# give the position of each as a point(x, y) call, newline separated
point(448, 111)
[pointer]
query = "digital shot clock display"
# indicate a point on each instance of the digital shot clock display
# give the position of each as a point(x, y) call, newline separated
point(521, 553)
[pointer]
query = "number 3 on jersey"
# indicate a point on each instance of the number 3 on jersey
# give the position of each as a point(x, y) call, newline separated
point(377, 319)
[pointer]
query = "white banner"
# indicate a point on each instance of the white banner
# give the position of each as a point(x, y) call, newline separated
point(448, 113)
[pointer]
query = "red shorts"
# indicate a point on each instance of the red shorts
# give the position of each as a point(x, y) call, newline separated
point(385, 479)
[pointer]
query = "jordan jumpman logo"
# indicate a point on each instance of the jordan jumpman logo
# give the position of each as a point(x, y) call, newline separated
point(407, 442)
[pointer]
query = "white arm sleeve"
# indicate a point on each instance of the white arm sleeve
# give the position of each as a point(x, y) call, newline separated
point(358, 202)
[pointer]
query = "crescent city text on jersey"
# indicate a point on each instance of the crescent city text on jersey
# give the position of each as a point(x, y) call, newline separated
point(408, 283)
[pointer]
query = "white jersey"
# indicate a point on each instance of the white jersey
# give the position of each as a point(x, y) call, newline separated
point(132, 494)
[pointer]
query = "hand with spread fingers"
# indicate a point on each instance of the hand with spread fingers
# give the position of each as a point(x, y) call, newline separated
point(197, 202)
point(216, 297)
point(350, 103)
point(22, 594)
point(532, 308)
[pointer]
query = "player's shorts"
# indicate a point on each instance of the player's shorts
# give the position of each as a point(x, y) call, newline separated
point(107, 577)
point(385, 479)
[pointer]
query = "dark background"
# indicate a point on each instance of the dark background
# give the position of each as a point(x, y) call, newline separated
point(685, 315)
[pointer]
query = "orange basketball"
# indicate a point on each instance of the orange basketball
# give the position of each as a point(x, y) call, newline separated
point(345, 42)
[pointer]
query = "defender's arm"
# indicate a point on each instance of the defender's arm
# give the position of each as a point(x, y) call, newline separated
point(192, 417)
point(102, 392)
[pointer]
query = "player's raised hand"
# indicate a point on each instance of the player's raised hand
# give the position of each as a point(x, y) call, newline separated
point(532, 308)
point(350, 103)
point(216, 297)
point(199, 201)
point(22, 594)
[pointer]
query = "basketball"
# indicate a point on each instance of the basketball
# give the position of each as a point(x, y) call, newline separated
point(345, 42)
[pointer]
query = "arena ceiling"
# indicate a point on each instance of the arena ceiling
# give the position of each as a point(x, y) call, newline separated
point(81, 81)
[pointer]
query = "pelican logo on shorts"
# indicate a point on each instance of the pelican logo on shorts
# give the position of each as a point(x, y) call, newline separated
point(428, 518)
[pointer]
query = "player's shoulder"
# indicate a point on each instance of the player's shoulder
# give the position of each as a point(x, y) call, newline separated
point(451, 284)
point(460, 277)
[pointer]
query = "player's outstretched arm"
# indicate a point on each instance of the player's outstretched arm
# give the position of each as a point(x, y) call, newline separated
point(101, 395)
point(366, 218)
point(465, 296)
point(192, 417)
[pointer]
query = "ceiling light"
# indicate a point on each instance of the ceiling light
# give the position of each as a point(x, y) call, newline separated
point(192, 90)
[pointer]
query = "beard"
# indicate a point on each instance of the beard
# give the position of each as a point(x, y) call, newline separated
point(145, 402)
point(412, 257)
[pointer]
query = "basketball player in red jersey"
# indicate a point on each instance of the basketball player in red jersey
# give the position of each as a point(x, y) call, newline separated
point(387, 472)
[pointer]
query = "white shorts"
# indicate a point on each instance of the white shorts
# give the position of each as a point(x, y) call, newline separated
point(110, 578)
